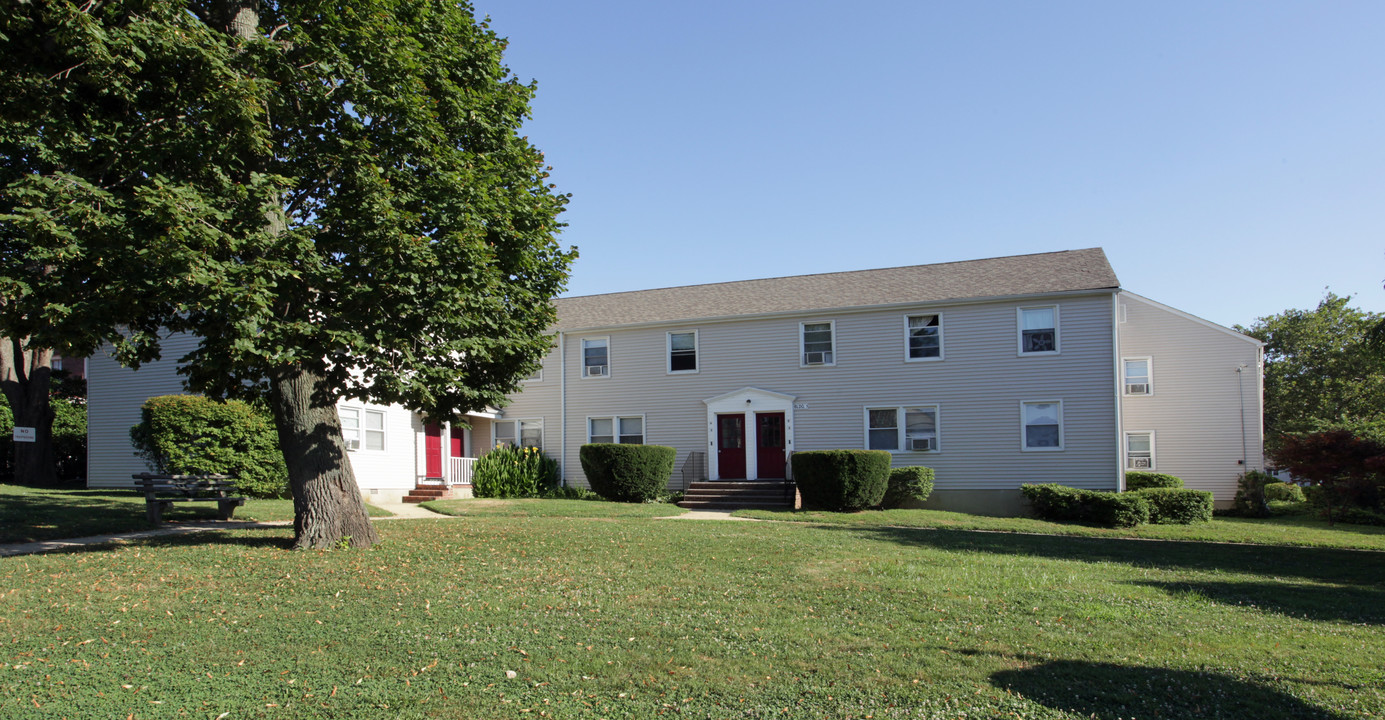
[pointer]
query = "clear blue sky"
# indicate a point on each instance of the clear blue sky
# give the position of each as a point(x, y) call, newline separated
point(1229, 156)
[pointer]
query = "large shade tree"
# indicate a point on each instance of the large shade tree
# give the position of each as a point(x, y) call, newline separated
point(1322, 369)
point(382, 233)
point(117, 125)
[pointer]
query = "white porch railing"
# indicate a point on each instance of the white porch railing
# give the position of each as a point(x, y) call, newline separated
point(461, 468)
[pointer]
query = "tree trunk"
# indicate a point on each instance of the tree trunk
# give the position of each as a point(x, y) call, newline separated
point(327, 504)
point(24, 378)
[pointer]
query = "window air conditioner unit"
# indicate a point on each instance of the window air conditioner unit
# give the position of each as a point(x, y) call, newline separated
point(1137, 388)
point(921, 444)
point(816, 358)
point(353, 444)
point(1140, 463)
point(596, 370)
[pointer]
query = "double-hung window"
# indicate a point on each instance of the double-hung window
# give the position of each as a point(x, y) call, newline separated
point(519, 433)
point(596, 357)
point(1139, 450)
point(1038, 330)
point(817, 342)
point(682, 352)
point(908, 429)
point(1138, 376)
point(1041, 425)
point(627, 430)
point(923, 337)
point(362, 429)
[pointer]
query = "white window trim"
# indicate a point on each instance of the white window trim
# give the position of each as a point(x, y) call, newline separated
point(901, 430)
point(1019, 331)
point(942, 343)
point(362, 430)
point(582, 358)
point(1062, 427)
point(1153, 451)
point(519, 430)
point(615, 426)
point(1149, 370)
point(538, 378)
point(801, 353)
point(668, 353)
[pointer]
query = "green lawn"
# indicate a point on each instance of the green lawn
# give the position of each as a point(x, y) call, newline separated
point(33, 514)
point(1294, 530)
point(635, 617)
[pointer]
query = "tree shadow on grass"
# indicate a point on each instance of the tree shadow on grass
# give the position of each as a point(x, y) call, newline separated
point(263, 537)
point(1109, 692)
point(1365, 568)
point(1363, 605)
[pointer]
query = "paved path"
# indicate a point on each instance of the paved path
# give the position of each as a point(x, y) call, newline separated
point(408, 511)
point(708, 515)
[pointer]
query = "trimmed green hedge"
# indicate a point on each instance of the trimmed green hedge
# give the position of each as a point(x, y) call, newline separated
point(510, 472)
point(1138, 480)
point(627, 472)
point(1177, 506)
point(842, 480)
point(1065, 504)
point(906, 484)
point(194, 435)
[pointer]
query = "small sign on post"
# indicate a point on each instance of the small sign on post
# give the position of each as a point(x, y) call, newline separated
point(25, 434)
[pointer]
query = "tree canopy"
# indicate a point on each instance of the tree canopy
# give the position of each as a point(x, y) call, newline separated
point(333, 196)
point(1322, 369)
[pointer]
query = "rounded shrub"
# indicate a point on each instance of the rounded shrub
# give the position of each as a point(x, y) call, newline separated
point(1051, 501)
point(842, 480)
point(510, 472)
point(627, 472)
point(907, 484)
point(1176, 506)
point(1138, 480)
point(195, 435)
point(1284, 492)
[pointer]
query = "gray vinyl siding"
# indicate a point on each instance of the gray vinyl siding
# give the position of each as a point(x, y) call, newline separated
point(978, 387)
point(1196, 408)
point(114, 397)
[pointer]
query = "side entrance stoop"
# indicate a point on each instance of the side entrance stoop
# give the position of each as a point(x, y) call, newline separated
point(424, 493)
point(740, 494)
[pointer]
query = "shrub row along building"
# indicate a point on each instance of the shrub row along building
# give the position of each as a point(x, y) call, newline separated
point(995, 372)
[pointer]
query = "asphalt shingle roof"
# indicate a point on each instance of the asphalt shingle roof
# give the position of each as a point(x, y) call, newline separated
point(1066, 271)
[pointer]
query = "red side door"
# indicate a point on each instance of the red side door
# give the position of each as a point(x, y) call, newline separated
point(769, 446)
point(432, 450)
point(731, 447)
point(458, 447)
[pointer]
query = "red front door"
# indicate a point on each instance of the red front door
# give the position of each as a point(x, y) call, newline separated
point(432, 450)
point(731, 447)
point(769, 446)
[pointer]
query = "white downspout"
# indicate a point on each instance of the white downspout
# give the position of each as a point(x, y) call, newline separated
point(562, 406)
point(1120, 407)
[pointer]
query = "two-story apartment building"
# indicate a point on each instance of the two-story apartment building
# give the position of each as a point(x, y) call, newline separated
point(995, 372)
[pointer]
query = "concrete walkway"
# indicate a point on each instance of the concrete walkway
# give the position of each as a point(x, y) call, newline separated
point(408, 511)
point(708, 515)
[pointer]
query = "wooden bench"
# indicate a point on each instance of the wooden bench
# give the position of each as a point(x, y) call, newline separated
point(161, 491)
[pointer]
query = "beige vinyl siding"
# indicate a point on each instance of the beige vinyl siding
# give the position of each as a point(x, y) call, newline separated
point(1195, 410)
point(977, 388)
